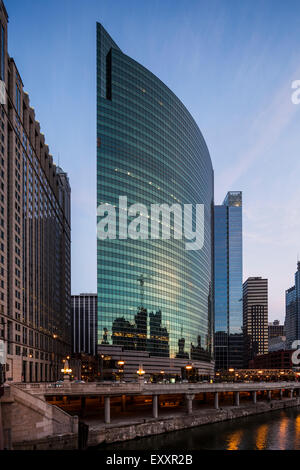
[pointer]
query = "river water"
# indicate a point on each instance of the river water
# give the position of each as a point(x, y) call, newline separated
point(277, 430)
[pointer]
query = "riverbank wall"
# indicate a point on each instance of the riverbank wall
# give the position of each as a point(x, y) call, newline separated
point(137, 428)
point(118, 433)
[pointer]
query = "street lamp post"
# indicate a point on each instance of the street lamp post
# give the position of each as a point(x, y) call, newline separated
point(101, 367)
point(231, 370)
point(121, 364)
point(188, 368)
point(140, 373)
point(66, 371)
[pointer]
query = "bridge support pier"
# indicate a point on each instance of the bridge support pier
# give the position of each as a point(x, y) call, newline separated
point(107, 410)
point(254, 396)
point(155, 406)
point(216, 400)
point(269, 395)
point(237, 398)
point(82, 406)
point(280, 394)
point(291, 393)
point(123, 403)
point(189, 402)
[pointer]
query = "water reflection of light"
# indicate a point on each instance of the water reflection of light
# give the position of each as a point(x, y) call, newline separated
point(261, 437)
point(235, 440)
point(283, 432)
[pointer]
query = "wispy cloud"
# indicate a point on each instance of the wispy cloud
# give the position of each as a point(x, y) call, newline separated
point(266, 129)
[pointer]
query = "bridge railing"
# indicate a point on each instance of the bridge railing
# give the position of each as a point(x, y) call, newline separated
point(123, 388)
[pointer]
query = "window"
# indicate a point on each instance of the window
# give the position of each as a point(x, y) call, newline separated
point(2, 54)
point(18, 96)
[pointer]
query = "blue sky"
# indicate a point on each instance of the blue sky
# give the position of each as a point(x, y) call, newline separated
point(231, 62)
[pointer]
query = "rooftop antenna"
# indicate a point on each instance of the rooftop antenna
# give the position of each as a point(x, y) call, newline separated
point(141, 279)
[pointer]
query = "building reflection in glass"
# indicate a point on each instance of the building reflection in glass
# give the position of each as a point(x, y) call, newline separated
point(158, 344)
point(134, 336)
point(181, 353)
point(198, 352)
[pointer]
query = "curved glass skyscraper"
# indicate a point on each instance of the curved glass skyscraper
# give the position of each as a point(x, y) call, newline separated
point(154, 295)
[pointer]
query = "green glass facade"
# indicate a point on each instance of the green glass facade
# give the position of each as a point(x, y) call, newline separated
point(153, 295)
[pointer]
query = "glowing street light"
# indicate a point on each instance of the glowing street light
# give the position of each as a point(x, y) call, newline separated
point(121, 364)
point(66, 370)
point(140, 372)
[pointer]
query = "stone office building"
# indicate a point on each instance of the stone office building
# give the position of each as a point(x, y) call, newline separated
point(255, 317)
point(34, 237)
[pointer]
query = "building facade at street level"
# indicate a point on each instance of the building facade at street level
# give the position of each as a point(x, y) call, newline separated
point(275, 329)
point(292, 311)
point(255, 317)
point(34, 237)
point(273, 360)
point(154, 295)
point(84, 323)
point(228, 271)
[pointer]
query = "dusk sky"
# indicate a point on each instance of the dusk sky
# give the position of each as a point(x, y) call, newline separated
point(231, 63)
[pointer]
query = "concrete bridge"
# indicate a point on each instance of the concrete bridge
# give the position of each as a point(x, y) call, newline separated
point(189, 391)
point(46, 415)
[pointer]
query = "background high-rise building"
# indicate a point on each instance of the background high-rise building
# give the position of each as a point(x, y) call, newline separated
point(228, 271)
point(34, 237)
point(276, 335)
point(255, 316)
point(292, 312)
point(154, 296)
point(275, 329)
point(84, 323)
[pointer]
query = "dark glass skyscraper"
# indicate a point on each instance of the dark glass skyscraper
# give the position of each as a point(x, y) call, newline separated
point(84, 323)
point(292, 311)
point(228, 246)
point(154, 296)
